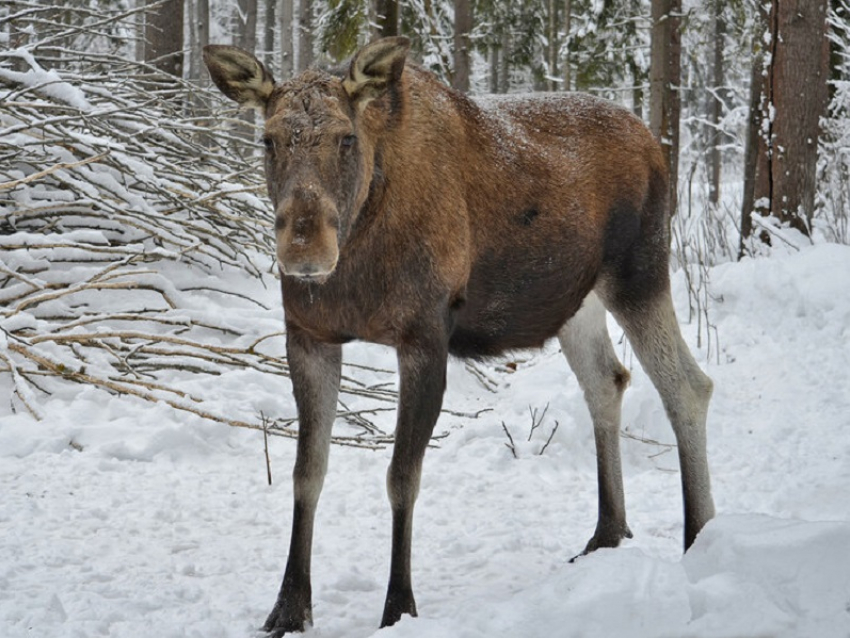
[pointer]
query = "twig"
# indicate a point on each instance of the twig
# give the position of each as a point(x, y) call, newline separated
point(535, 422)
point(19, 390)
point(265, 423)
point(549, 440)
point(486, 382)
point(511, 446)
point(640, 439)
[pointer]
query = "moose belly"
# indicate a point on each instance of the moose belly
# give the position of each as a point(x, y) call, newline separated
point(518, 301)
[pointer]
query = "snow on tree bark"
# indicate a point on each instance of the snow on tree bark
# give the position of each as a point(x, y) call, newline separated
point(793, 97)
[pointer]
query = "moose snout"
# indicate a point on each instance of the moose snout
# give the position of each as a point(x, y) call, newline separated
point(307, 243)
point(307, 271)
point(312, 261)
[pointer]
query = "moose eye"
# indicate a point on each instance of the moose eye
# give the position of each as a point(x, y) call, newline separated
point(268, 142)
point(348, 141)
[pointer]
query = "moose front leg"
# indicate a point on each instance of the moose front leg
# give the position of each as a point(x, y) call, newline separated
point(422, 368)
point(315, 372)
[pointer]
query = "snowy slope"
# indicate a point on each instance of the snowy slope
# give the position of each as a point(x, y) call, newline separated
point(158, 524)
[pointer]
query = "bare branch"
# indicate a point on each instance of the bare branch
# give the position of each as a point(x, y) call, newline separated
point(549, 440)
point(52, 169)
point(510, 445)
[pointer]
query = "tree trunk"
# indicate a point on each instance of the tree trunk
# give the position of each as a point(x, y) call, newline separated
point(664, 78)
point(505, 61)
point(200, 27)
point(164, 37)
point(140, 31)
point(799, 72)
point(193, 67)
point(268, 33)
point(553, 45)
point(793, 97)
point(462, 45)
point(287, 31)
point(755, 154)
point(20, 31)
point(715, 107)
point(245, 37)
point(493, 60)
point(245, 25)
point(638, 93)
point(386, 17)
point(305, 35)
point(568, 27)
point(199, 37)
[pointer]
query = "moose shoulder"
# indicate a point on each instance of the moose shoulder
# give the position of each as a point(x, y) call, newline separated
point(409, 215)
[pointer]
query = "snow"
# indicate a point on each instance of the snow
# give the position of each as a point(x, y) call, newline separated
point(123, 518)
point(49, 83)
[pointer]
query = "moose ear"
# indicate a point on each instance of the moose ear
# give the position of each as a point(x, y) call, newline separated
point(239, 75)
point(374, 68)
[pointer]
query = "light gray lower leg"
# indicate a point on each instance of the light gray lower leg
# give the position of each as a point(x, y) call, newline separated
point(685, 391)
point(603, 379)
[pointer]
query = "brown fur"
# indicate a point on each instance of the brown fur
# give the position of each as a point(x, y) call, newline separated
point(506, 232)
point(409, 215)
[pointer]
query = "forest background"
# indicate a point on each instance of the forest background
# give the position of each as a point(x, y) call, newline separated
point(117, 158)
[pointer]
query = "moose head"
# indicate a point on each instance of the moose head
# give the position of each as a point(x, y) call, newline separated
point(320, 137)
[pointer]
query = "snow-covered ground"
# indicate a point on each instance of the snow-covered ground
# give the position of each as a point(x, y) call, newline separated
point(123, 518)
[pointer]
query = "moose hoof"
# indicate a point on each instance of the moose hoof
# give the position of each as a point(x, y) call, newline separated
point(397, 604)
point(608, 536)
point(286, 618)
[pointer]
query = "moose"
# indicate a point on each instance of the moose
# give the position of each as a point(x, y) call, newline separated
point(408, 214)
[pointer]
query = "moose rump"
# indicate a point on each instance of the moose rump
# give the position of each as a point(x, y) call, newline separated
point(409, 215)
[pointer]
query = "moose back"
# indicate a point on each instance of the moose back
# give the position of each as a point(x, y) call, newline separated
point(410, 215)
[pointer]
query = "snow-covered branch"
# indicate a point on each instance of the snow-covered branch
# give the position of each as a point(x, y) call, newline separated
point(125, 211)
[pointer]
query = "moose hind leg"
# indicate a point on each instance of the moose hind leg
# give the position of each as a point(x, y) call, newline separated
point(685, 391)
point(603, 379)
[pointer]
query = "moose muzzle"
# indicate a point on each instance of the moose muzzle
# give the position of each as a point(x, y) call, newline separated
point(307, 234)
